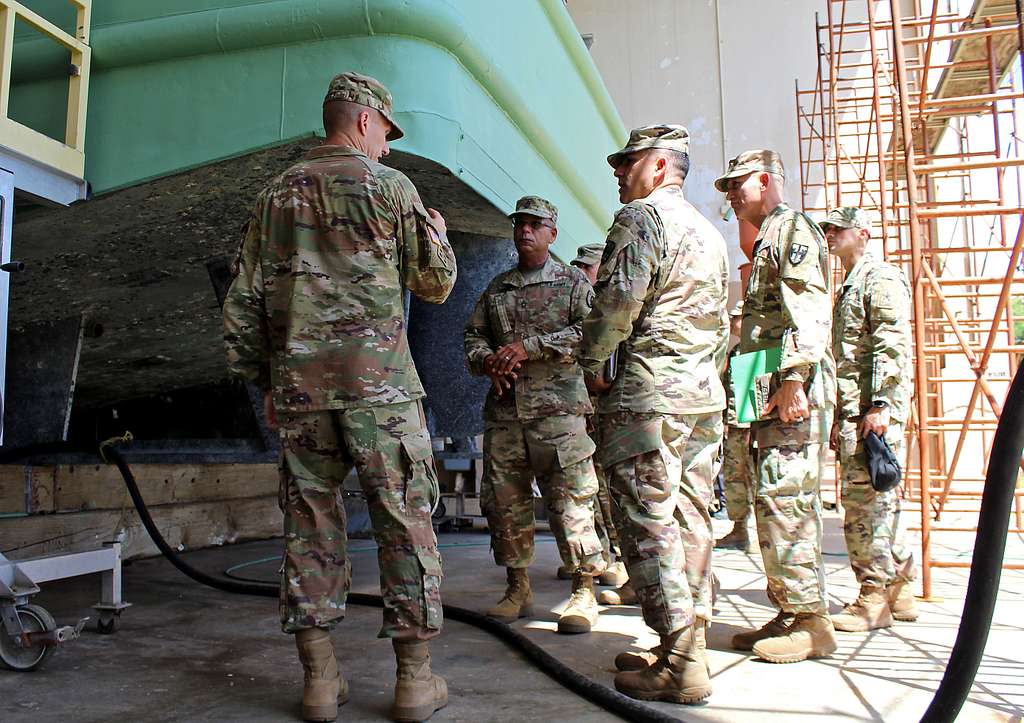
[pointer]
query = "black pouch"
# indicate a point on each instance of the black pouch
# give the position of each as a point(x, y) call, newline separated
point(883, 467)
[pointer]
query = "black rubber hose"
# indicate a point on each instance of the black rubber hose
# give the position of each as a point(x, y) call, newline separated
point(579, 684)
point(987, 562)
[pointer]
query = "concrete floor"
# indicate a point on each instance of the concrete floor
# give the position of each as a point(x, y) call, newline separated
point(188, 653)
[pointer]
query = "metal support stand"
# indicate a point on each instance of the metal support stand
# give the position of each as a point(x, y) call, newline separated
point(29, 632)
point(460, 460)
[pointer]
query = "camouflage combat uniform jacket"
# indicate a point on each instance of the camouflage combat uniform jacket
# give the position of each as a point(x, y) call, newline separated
point(661, 290)
point(787, 303)
point(316, 311)
point(871, 340)
point(545, 314)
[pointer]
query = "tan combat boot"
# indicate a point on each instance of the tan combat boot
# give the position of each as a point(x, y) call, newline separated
point(614, 576)
point(639, 661)
point(870, 611)
point(518, 599)
point(679, 675)
point(624, 595)
point(810, 635)
point(323, 687)
point(902, 604)
point(738, 538)
point(418, 692)
point(774, 627)
point(581, 612)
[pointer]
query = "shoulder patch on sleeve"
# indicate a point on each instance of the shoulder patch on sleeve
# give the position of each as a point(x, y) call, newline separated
point(632, 215)
point(799, 249)
point(632, 223)
point(887, 293)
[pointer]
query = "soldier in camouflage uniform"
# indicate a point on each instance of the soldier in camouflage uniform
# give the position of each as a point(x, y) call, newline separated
point(661, 301)
point(737, 463)
point(315, 318)
point(588, 259)
point(786, 306)
point(872, 349)
point(522, 334)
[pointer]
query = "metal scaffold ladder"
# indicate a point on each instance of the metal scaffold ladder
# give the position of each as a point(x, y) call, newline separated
point(913, 117)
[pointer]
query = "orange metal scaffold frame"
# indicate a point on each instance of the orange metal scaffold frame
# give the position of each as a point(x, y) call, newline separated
point(870, 135)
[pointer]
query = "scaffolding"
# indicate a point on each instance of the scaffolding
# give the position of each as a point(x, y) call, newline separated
point(913, 117)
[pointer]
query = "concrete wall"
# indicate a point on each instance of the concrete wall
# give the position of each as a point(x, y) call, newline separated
point(455, 399)
point(723, 68)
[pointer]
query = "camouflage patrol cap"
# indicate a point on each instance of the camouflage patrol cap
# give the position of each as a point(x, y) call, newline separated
point(847, 217)
point(364, 90)
point(588, 255)
point(737, 309)
point(662, 135)
point(761, 160)
point(535, 206)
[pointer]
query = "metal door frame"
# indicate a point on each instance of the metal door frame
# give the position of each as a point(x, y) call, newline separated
point(6, 225)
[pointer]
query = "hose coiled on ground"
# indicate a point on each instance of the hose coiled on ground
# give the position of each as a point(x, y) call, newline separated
point(579, 684)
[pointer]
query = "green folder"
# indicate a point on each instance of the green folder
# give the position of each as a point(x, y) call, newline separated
point(744, 370)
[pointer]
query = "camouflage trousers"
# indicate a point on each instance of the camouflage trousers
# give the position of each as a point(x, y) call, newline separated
point(661, 470)
point(390, 448)
point(874, 540)
point(604, 523)
point(557, 452)
point(738, 471)
point(787, 508)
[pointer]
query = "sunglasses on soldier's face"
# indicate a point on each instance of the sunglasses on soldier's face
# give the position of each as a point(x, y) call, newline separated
point(534, 223)
point(733, 184)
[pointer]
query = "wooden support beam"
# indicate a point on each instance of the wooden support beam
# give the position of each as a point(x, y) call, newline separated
point(71, 488)
point(185, 526)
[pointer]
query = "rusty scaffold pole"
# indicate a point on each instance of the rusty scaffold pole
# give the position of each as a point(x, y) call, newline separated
point(917, 123)
point(918, 281)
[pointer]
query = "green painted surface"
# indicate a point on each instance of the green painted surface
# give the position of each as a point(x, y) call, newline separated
point(503, 94)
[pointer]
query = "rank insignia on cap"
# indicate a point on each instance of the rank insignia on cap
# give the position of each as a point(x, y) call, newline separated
point(797, 253)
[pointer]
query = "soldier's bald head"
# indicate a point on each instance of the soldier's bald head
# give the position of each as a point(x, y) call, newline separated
point(677, 163)
point(358, 113)
point(340, 115)
point(357, 126)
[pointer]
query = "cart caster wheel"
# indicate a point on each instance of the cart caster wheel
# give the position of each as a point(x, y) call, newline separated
point(34, 619)
point(108, 626)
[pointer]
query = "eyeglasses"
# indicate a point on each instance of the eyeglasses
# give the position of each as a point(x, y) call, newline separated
point(731, 184)
point(534, 223)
